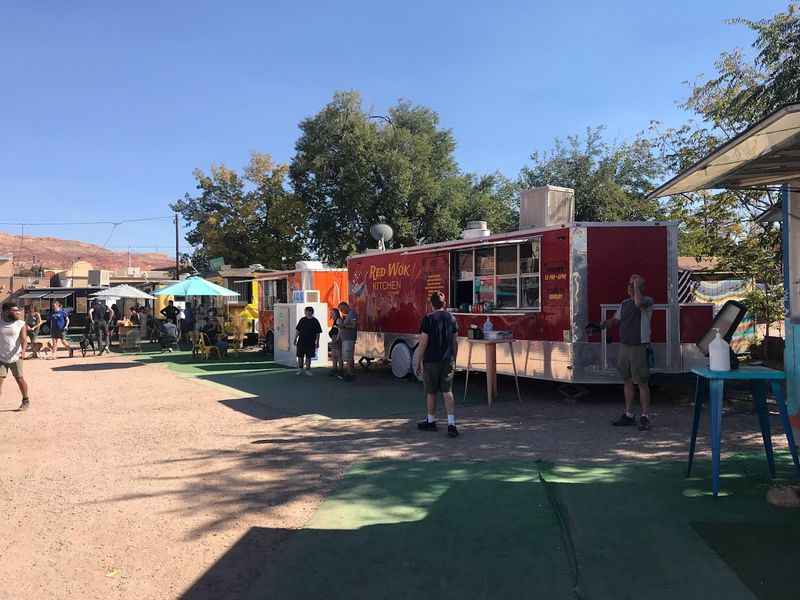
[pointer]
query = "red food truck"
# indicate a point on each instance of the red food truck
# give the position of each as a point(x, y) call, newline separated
point(544, 283)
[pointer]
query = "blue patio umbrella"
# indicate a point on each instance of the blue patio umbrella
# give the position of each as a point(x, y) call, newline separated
point(195, 286)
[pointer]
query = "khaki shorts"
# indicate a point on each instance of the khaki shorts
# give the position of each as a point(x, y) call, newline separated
point(14, 367)
point(348, 350)
point(632, 363)
point(438, 376)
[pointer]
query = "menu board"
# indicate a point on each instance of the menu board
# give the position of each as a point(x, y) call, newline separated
point(282, 329)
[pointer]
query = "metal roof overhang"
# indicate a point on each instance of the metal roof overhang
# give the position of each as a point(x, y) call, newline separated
point(283, 274)
point(768, 153)
point(57, 295)
point(32, 295)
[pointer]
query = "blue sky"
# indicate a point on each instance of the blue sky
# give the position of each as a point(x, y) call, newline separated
point(106, 109)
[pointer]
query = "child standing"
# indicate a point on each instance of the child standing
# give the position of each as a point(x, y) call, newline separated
point(307, 340)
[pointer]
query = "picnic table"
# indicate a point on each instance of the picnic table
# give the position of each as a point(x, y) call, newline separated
point(711, 386)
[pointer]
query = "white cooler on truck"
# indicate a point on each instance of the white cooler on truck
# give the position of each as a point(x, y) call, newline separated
point(286, 318)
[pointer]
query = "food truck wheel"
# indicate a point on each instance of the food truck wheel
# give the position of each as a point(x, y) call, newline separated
point(400, 359)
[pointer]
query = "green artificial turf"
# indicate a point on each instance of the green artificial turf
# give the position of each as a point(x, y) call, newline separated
point(647, 527)
point(427, 530)
point(402, 529)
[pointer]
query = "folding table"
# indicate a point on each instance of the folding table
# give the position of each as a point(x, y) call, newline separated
point(711, 386)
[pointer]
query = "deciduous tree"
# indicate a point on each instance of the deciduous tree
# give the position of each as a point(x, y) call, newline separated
point(246, 218)
point(611, 182)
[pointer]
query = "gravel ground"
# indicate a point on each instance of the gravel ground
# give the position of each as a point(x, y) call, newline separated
point(127, 481)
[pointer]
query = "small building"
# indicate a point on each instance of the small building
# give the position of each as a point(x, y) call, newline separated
point(6, 276)
point(75, 300)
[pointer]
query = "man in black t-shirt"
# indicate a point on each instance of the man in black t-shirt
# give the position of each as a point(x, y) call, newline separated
point(435, 358)
point(170, 312)
point(307, 341)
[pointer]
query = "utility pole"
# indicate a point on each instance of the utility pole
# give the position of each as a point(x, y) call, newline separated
point(177, 261)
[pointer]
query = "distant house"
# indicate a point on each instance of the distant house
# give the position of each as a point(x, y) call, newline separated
point(6, 276)
point(238, 279)
point(703, 280)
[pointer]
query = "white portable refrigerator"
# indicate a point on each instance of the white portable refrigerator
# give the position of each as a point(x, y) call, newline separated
point(286, 318)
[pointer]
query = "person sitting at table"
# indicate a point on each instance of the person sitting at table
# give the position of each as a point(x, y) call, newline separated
point(216, 336)
point(168, 336)
point(134, 317)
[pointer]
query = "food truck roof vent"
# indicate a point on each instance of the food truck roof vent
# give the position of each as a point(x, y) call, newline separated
point(545, 206)
point(308, 265)
point(476, 229)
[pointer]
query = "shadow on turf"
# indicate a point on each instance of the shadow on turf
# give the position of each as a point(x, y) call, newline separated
point(442, 555)
point(518, 530)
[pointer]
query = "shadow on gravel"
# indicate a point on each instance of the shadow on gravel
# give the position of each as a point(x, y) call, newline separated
point(109, 366)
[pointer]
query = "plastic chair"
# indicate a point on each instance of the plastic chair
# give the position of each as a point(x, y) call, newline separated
point(132, 341)
point(203, 347)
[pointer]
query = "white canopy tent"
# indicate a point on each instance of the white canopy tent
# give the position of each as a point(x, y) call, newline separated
point(122, 291)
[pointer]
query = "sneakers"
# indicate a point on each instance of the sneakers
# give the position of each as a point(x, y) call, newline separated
point(624, 421)
point(307, 372)
point(426, 425)
point(299, 372)
point(26, 404)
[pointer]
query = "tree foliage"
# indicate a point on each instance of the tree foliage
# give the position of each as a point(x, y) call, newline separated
point(742, 92)
point(246, 218)
point(610, 182)
point(350, 169)
point(745, 91)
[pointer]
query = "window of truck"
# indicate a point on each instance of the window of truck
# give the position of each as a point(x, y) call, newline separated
point(275, 291)
point(500, 277)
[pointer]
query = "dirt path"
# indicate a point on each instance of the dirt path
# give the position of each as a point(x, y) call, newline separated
point(126, 481)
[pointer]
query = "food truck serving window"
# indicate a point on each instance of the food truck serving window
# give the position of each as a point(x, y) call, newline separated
point(497, 277)
point(275, 291)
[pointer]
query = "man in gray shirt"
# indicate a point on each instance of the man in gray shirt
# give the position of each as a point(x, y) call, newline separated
point(348, 332)
point(633, 317)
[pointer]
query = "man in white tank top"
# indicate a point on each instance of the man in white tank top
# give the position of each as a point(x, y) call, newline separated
point(13, 340)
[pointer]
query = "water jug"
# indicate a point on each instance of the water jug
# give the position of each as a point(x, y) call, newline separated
point(719, 353)
point(487, 328)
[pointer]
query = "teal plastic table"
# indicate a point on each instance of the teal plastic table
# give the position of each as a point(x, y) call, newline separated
point(711, 386)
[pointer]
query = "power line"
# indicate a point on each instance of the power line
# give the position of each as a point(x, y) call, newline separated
point(113, 229)
point(117, 223)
